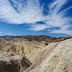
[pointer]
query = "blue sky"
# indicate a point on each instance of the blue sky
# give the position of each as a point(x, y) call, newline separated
point(36, 17)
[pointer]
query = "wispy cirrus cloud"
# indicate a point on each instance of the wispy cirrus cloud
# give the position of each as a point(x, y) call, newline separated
point(8, 33)
point(0, 32)
point(20, 11)
point(5, 33)
point(38, 27)
point(64, 29)
point(57, 18)
point(30, 11)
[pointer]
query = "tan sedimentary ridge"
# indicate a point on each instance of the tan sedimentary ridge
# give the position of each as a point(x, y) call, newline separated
point(41, 55)
point(20, 46)
point(27, 45)
point(59, 60)
point(45, 56)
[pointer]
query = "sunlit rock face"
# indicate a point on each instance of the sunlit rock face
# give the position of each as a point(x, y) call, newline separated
point(13, 63)
point(57, 57)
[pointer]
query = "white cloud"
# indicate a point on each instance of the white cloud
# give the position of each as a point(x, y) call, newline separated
point(30, 11)
point(59, 19)
point(8, 33)
point(56, 18)
point(64, 29)
point(38, 27)
point(68, 32)
point(5, 33)
point(1, 32)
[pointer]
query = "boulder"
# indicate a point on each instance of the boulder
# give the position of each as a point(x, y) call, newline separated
point(10, 62)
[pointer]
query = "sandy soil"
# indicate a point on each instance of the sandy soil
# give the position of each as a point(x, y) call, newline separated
point(59, 60)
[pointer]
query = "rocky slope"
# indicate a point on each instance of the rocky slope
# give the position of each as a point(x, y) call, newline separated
point(47, 54)
point(20, 46)
point(58, 60)
point(41, 55)
point(13, 63)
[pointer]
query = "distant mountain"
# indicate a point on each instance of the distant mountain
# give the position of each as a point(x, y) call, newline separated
point(39, 38)
point(5, 36)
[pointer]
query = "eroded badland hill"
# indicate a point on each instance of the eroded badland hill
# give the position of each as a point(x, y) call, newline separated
point(36, 54)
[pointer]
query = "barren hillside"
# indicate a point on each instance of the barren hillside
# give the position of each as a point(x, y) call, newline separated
point(59, 60)
point(20, 46)
point(47, 54)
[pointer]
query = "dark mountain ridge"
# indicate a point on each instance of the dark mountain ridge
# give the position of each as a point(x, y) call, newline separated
point(38, 38)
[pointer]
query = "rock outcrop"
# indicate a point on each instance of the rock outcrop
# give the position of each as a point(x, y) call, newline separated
point(38, 57)
point(47, 54)
point(44, 38)
point(59, 59)
point(13, 63)
point(20, 46)
point(27, 45)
